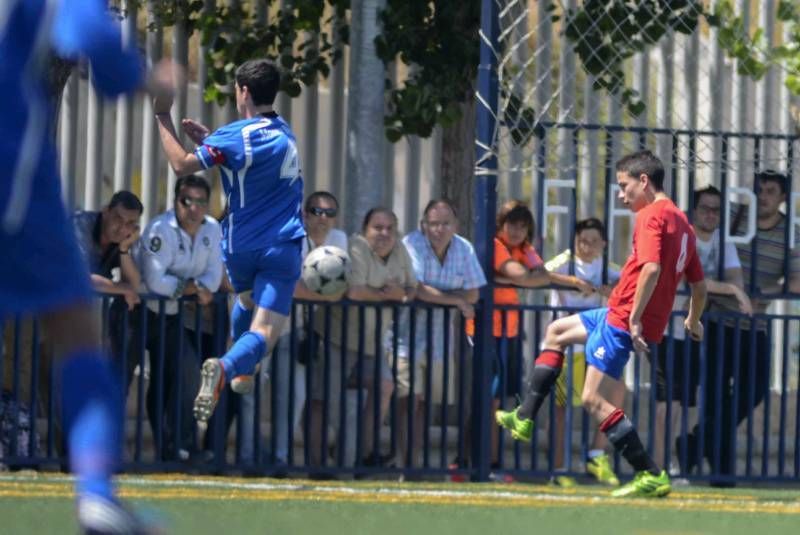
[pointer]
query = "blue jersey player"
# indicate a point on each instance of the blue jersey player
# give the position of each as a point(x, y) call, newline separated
point(263, 231)
point(42, 271)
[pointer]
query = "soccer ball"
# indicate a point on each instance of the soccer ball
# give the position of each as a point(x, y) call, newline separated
point(325, 270)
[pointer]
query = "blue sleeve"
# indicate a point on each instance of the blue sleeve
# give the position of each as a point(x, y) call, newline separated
point(82, 28)
point(223, 147)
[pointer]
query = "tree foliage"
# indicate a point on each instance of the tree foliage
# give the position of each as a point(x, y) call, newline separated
point(439, 41)
point(298, 38)
point(606, 33)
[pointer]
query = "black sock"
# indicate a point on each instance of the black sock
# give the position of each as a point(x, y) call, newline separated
point(542, 378)
point(620, 432)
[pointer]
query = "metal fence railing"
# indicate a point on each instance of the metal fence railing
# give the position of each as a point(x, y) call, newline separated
point(329, 411)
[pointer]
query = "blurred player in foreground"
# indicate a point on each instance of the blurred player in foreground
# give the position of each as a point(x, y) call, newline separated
point(42, 270)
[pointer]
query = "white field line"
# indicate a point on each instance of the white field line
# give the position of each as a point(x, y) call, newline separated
point(677, 501)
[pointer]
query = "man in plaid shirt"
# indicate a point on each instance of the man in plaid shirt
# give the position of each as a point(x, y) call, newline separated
point(449, 274)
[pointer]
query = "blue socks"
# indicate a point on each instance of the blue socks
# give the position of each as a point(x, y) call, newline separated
point(248, 347)
point(240, 320)
point(242, 357)
point(92, 412)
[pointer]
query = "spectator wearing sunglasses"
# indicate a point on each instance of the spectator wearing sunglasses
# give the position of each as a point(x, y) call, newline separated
point(179, 255)
point(320, 212)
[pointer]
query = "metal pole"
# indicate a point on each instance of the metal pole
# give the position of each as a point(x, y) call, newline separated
point(149, 134)
point(124, 127)
point(308, 156)
point(485, 205)
point(338, 109)
point(69, 140)
point(180, 56)
point(94, 151)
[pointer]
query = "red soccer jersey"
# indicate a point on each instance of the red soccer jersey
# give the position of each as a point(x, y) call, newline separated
point(662, 234)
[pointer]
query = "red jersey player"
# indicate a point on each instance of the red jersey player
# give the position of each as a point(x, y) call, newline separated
point(637, 313)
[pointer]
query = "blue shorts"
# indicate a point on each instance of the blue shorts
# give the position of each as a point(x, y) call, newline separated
point(271, 274)
point(607, 347)
point(41, 267)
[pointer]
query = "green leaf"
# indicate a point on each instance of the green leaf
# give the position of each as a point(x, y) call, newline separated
point(793, 83)
point(393, 134)
point(787, 10)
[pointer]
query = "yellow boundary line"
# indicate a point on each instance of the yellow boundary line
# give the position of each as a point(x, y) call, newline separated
point(224, 489)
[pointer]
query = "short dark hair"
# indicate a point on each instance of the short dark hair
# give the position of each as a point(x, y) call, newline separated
point(770, 175)
point(643, 162)
point(127, 200)
point(516, 211)
point(591, 223)
point(375, 211)
point(192, 181)
point(262, 78)
point(708, 190)
point(433, 203)
point(320, 195)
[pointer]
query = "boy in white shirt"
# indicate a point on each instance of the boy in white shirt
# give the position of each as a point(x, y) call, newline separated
point(587, 264)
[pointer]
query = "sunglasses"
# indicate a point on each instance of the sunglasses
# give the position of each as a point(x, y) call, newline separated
point(193, 201)
point(319, 212)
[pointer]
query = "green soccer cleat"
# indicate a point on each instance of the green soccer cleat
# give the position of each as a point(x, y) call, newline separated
point(520, 429)
point(645, 485)
point(600, 468)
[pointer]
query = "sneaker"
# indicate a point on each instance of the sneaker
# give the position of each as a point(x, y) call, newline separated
point(212, 380)
point(100, 516)
point(565, 482)
point(645, 485)
point(520, 429)
point(600, 468)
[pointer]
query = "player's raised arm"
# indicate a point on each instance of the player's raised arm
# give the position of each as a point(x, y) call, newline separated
point(182, 162)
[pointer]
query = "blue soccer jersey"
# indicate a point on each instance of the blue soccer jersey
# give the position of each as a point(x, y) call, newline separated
point(261, 175)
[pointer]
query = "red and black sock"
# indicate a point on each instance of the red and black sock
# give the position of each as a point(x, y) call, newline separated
point(540, 381)
point(621, 433)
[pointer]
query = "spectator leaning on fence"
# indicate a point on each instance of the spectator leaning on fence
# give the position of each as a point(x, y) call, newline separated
point(763, 274)
point(179, 256)
point(685, 365)
point(517, 263)
point(320, 211)
point(587, 264)
point(449, 274)
point(381, 272)
point(105, 239)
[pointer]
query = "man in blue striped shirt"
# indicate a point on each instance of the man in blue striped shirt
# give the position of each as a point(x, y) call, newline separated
point(263, 231)
point(449, 274)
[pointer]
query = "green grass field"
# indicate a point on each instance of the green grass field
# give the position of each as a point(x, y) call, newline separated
point(42, 504)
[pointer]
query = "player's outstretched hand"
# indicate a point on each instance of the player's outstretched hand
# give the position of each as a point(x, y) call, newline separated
point(195, 131)
point(695, 330)
point(639, 343)
point(161, 84)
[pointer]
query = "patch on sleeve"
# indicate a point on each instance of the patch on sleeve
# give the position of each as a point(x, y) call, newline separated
point(206, 241)
point(216, 155)
point(155, 244)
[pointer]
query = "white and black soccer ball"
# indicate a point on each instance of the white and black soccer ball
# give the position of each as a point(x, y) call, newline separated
point(325, 270)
